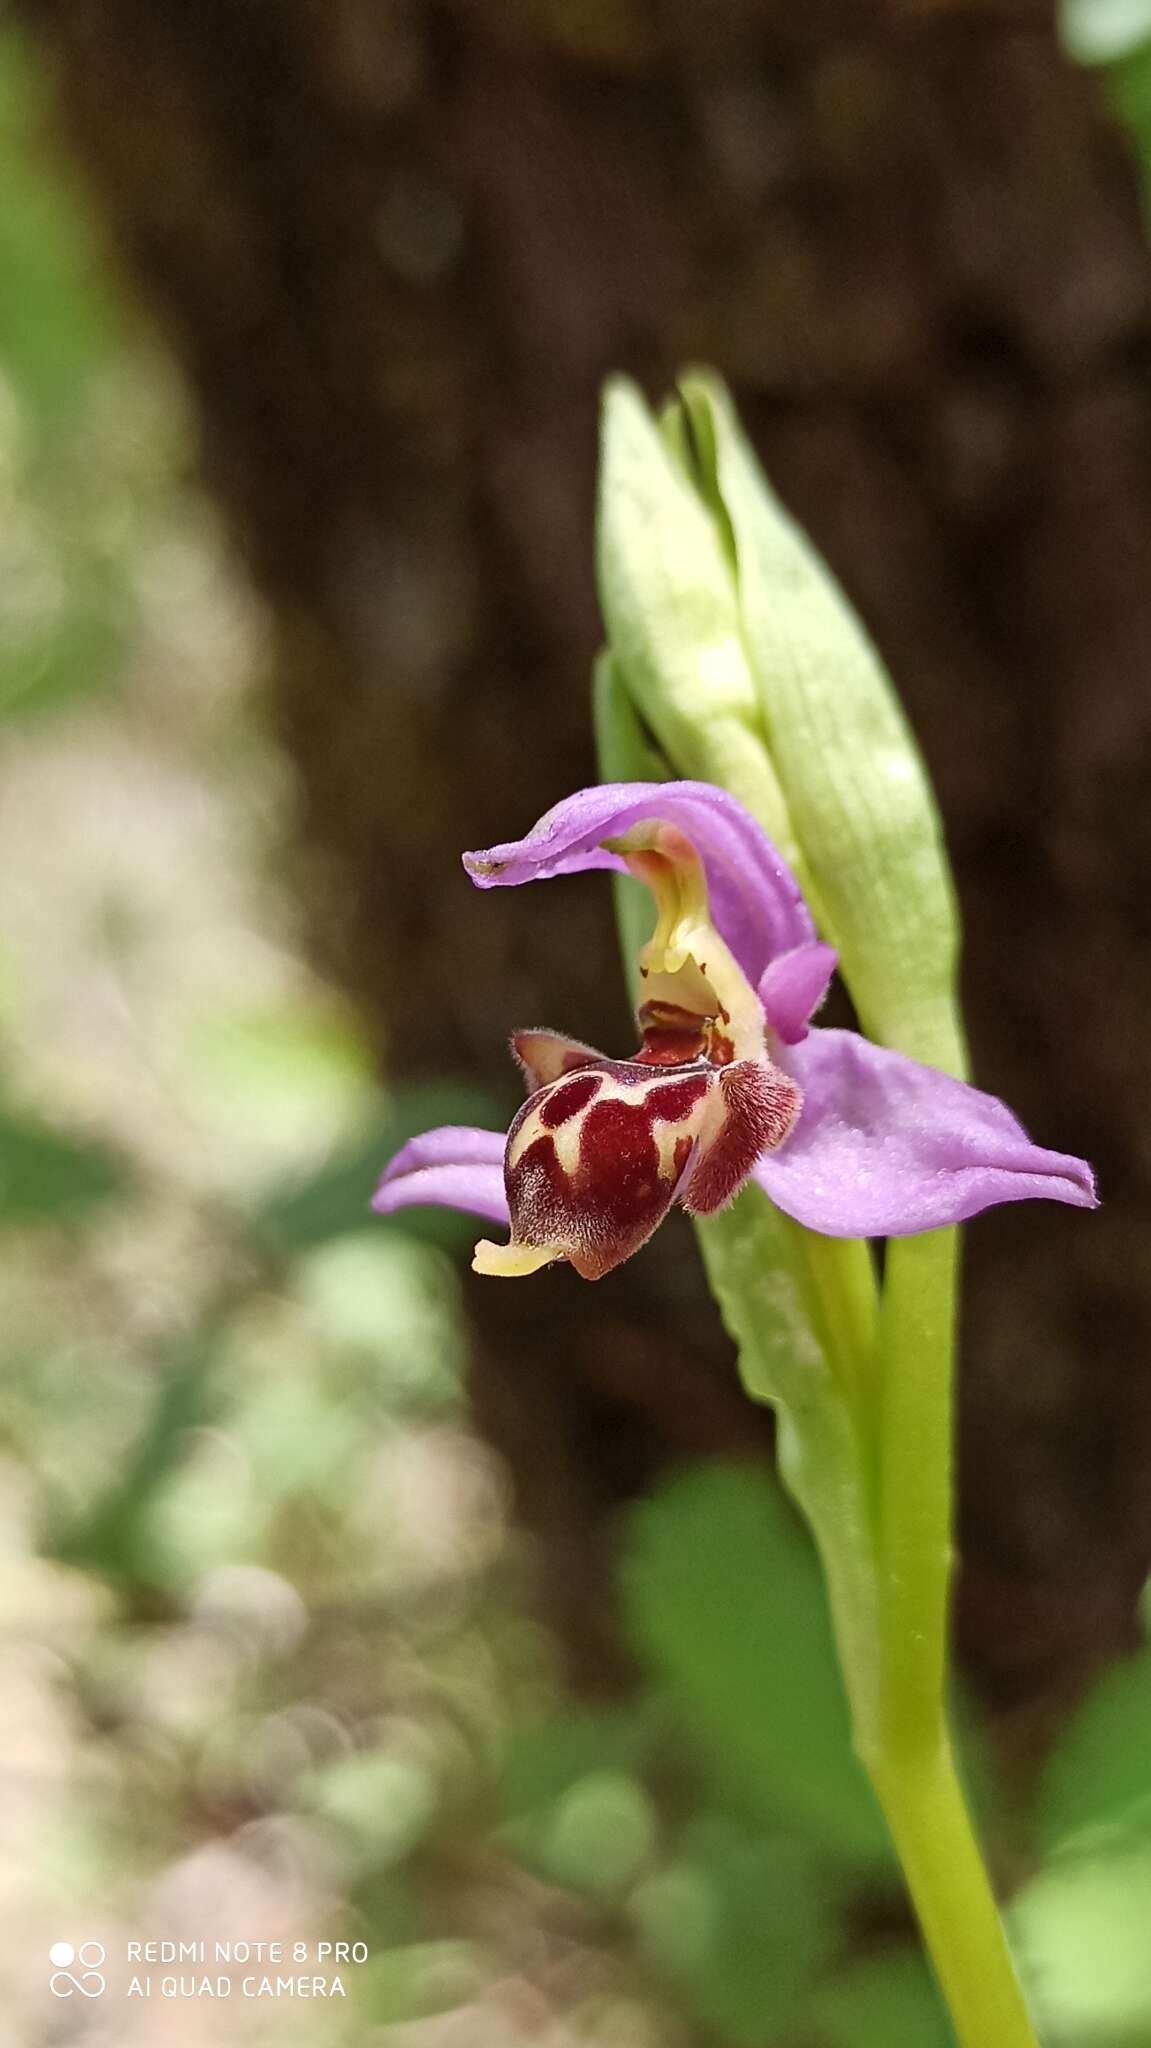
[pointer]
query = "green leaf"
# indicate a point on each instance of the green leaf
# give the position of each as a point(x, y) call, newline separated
point(1099, 31)
point(383, 1805)
point(113, 1536)
point(1098, 1781)
point(851, 774)
point(624, 750)
point(597, 1836)
point(625, 754)
point(1129, 79)
point(63, 640)
point(890, 2001)
point(1080, 1930)
point(545, 1759)
point(741, 1925)
point(724, 1594)
point(47, 1178)
point(575, 1804)
point(777, 1287)
point(670, 607)
point(400, 1986)
point(389, 1306)
point(53, 323)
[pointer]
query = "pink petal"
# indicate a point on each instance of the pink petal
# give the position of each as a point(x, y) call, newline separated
point(455, 1167)
point(885, 1147)
point(794, 986)
point(755, 897)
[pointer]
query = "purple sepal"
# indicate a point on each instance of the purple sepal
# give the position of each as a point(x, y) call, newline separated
point(755, 899)
point(455, 1167)
point(885, 1147)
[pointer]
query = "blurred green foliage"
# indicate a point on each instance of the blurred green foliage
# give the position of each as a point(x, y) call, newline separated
point(54, 330)
point(1097, 1786)
point(725, 1592)
point(83, 445)
point(301, 1215)
point(46, 1177)
point(890, 1997)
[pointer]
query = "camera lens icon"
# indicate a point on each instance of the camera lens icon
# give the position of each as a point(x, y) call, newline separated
point(88, 1980)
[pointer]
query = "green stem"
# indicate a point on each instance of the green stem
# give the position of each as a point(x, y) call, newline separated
point(945, 1876)
point(908, 1750)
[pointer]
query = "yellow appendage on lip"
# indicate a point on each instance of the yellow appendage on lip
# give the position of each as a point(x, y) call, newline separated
point(512, 1261)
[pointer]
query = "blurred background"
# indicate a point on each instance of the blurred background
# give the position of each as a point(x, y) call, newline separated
point(342, 1598)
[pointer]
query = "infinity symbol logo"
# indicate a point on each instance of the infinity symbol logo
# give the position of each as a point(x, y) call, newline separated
point(89, 1955)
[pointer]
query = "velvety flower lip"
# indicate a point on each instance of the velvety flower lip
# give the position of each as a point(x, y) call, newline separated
point(849, 1138)
point(597, 1156)
point(755, 898)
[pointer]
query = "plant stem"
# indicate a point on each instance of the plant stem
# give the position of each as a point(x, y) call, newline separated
point(945, 1876)
point(908, 1750)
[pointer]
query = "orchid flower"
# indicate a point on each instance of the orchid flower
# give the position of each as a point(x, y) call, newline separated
point(730, 1081)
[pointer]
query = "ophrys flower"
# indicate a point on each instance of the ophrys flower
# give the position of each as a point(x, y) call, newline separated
point(729, 1081)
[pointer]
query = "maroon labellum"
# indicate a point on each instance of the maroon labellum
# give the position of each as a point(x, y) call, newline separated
point(598, 1154)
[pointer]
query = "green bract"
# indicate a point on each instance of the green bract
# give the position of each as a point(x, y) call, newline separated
point(752, 670)
point(673, 622)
